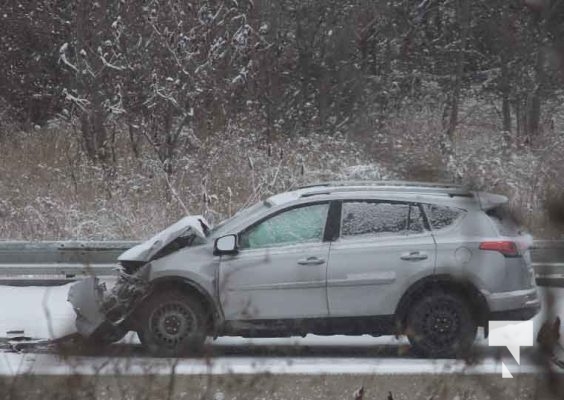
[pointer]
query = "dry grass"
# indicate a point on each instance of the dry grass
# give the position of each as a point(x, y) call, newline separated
point(531, 176)
point(276, 387)
point(51, 191)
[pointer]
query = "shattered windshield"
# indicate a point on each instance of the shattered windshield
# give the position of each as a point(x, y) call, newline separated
point(225, 226)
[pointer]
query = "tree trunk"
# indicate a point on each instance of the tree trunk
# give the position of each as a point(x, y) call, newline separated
point(533, 110)
point(533, 115)
point(94, 134)
point(455, 98)
point(134, 138)
point(505, 93)
point(463, 17)
point(92, 119)
point(518, 118)
point(506, 113)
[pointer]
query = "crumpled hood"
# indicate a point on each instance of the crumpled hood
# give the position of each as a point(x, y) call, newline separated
point(145, 251)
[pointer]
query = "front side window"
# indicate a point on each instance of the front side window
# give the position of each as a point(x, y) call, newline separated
point(225, 225)
point(297, 225)
point(380, 218)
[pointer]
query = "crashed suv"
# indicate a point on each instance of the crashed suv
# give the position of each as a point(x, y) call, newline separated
point(431, 261)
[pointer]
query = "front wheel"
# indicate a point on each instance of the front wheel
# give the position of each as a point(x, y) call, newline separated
point(173, 324)
point(441, 325)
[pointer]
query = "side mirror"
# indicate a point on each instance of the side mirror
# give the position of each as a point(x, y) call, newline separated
point(225, 245)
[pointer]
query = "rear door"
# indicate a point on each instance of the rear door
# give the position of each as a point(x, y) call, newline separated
point(383, 247)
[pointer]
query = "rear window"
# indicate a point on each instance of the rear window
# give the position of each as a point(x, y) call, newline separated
point(441, 217)
point(505, 221)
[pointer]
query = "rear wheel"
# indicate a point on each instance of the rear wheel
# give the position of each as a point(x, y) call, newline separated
point(441, 325)
point(173, 324)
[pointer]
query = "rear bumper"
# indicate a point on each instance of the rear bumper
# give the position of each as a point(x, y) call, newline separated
point(518, 305)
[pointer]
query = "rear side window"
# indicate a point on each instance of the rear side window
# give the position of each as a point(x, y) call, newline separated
point(505, 222)
point(441, 216)
point(380, 219)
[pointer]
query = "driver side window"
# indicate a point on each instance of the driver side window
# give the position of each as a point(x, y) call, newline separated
point(297, 225)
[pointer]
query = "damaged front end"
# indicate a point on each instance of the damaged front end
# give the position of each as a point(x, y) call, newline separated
point(101, 314)
point(104, 315)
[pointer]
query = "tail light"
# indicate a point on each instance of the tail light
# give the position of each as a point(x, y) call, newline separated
point(505, 247)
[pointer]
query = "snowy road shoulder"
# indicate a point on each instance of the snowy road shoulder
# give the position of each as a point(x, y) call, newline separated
point(44, 313)
point(36, 312)
point(50, 364)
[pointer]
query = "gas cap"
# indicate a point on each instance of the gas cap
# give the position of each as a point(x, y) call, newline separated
point(463, 255)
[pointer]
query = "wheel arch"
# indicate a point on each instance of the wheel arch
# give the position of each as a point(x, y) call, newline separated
point(188, 286)
point(448, 283)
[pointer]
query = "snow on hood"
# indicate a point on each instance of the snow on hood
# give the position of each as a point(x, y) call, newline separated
point(146, 250)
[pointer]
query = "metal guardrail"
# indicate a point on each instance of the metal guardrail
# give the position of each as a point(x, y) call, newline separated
point(56, 263)
point(548, 261)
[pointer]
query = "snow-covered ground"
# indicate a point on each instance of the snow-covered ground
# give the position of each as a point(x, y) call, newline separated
point(35, 312)
point(48, 364)
point(44, 313)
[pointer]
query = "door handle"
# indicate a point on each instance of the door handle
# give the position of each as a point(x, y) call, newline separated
point(311, 261)
point(414, 256)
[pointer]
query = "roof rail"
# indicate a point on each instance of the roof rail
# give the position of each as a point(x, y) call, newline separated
point(381, 186)
point(384, 183)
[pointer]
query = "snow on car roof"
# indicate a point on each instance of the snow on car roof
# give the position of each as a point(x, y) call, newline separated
point(422, 191)
point(286, 197)
point(341, 189)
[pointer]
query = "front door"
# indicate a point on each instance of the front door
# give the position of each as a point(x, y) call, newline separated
point(280, 269)
point(382, 248)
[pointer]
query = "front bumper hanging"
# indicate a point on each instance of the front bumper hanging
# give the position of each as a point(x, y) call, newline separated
point(98, 309)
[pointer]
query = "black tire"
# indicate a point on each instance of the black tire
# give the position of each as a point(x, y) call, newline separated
point(441, 325)
point(172, 324)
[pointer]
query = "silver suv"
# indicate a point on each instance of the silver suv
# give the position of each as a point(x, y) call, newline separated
point(431, 261)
